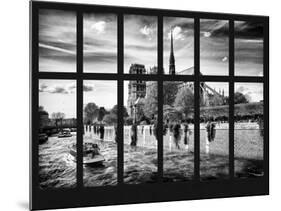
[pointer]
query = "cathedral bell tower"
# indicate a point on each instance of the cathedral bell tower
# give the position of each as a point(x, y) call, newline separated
point(172, 67)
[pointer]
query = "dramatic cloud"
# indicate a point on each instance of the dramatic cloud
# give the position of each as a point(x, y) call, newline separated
point(56, 88)
point(214, 47)
point(99, 27)
point(224, 59)
point(100, 43)
point(177, 33)
point(246, 29)
point(58, 96)
point(147, 31)
point(87, 88)
point(183, 36)
point(57, 41)
point(248, 48)
point(42, 87)
point(207, 34)
point(41, 45)
point(140, 41)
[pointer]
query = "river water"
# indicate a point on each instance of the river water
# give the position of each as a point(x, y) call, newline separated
point(57, 168)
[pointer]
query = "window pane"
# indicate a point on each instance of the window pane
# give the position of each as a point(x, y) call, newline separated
point(100, 43)
point(249, 131)
point(140, 123)
point(178, 131)
point(100, 129)
point(248, 48)
point(140, 43)
point(178, 43)
point(214, 133)
point(214, 47)
point(57, 41)
point(57, 133)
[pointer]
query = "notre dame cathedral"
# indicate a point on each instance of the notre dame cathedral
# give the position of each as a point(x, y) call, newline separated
point(137, 89)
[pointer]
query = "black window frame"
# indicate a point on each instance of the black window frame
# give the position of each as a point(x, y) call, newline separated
point(122, 193)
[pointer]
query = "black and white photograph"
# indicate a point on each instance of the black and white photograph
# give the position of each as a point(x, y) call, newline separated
point(140, 129)
point(248, 48)
point(150, 101)
point(178, 131)
point(248, 130)
point(178, 45)
point(100, 43)
point(140, 42)
point(214, 130)
point(57, 133)
point(100, 133)
point(57, 41)
point(214, 47)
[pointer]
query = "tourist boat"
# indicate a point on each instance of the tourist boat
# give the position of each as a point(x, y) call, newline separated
point(91, 154)
point(64, 134)
point(43, 138)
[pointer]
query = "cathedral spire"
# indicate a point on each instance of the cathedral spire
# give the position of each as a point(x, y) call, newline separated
point(172, 68)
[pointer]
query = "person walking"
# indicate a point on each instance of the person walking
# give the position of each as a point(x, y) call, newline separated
point(134, 138)
point(186, 135)
point(208, 137)
point(115, 132)
point(170, 134)
point(101, 130)
point(211, 134)
point(213, 131)
point(177, 134)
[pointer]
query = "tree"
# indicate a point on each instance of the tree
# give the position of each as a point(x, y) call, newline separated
point(171, 113)
point(91, 112)
point(170, 89)
point(150, 106)
point(184, 101)
point(101, 113)
point(114, 110)
point(43, 117)
point(112, 117)
point(240, 98)
point(58, 116)
point(215, 100)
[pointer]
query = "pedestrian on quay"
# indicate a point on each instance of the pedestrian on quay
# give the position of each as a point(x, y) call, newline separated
point(186, 135)
point(170, 134)
point(115, 129)
point(155, 129)
point(101, 130)
point(177, 134)
point(134, 136)
point(211, 133)
point(98, 129)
